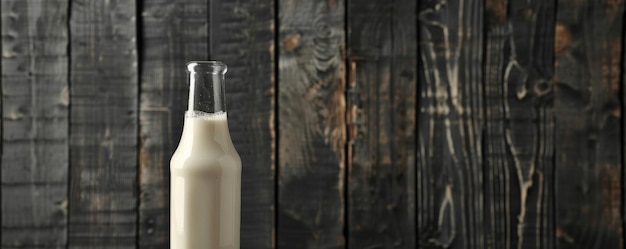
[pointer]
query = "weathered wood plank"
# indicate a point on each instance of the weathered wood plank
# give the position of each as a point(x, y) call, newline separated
point(499, 173)
point(173, 33)
point(450, 169)
point(530, 132)
point(242, 36)
point(588, 118)
point(35, 123)
point(382, 94)
point(312, 132)
point(519, 123)
point(103, 144)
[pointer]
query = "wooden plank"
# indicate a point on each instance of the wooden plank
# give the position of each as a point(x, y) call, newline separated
point(450, 167)
point(499, 172)
point(242, 36)
point(382, 94)
point(519, 121)
point(35, 123)
point(588, 118)
point(173, 33)
point(103, 144)
point(312, 132)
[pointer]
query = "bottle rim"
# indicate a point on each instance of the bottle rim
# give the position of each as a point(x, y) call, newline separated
point(213, 67)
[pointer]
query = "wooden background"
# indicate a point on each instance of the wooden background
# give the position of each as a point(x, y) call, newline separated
point(362, 124)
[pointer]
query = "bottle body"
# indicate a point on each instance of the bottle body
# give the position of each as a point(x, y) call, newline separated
point(205, 186)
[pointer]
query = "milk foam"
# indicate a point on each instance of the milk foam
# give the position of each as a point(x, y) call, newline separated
point(205, 116)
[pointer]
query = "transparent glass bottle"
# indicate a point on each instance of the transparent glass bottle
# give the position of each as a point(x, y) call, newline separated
point(205, 169)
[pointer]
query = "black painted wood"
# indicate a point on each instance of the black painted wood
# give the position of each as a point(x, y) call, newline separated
point(520, 123)
point(382, 55)
point(35, 112)
point(450, 125)
point(103, 125)
point(589, 121)
point(311, 130)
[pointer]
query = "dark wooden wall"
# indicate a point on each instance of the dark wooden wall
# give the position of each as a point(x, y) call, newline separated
point(362, 124)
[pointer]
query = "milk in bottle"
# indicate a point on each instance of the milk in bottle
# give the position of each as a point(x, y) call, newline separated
point(205, 169)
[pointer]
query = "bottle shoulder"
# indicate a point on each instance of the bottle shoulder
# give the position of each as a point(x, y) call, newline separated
point(205, 144)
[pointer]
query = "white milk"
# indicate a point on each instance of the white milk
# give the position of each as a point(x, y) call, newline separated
point(206, 185)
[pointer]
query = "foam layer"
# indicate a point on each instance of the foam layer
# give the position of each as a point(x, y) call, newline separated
point(205, 116)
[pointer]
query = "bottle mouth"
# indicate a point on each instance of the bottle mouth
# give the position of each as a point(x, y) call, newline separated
point(213, 67)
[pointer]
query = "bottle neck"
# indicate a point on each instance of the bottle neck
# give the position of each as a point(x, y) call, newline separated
point(206, 86)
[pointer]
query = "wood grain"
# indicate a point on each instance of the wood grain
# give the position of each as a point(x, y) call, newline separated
point(312, 132)
point(242, 36)
point(103, 124)
point(35, 112)
point(173, 33)
point(450, 170)
point(588, 49)
point(381, 123)
point(501, 194)
point(519, 118)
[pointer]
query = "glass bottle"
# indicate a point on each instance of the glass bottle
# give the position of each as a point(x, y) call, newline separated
point(205, 168)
